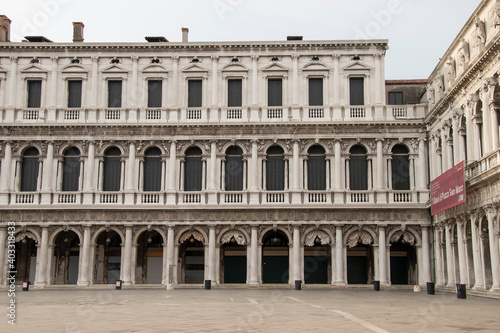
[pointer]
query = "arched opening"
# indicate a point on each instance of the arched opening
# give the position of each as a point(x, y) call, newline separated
point(112, 170)
point(403, 259)
point(400, 168)
point(149, 263)
point(358, 169)
point(317, 258)
point(66, 258)
point(316, 169)
point(107, 261)
point(233, 179)
point(25, 261)
point(275, 257)
point(29, 170)
point(275, 169)
point(192, 258)
point(234, 257)
point(152, 170)
point(71, 170)
point(193, 170)
point(360, 259)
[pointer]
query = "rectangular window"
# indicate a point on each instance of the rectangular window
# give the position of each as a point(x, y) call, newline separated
point(194, 93)
point(115, 94)
point(356, 89)
point(275, 92)
point(395, 98)
point(234, 93)
point(75, 94)
point(34, 93)
point(315, 91)
point(154, 93)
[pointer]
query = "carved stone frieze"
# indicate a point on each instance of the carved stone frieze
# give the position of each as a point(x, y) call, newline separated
point(233, 236)
point(311, 238)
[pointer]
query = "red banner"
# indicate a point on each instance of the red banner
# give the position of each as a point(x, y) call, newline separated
point(448, 190)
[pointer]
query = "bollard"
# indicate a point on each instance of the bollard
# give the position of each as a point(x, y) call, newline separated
point(298, 284)
point(376, 285)
point(461, 294)
point(208, 284)
point(430, 288)
point(26, 285)
point(118, 285)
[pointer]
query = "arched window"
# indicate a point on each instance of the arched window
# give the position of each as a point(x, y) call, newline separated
point(71, 170)
point(275, 169)
point(316, 169)
point(358, 169)
point(29, 170)
point(400, 168)
point(193, 170)
point(234, 169)
point(152, 170)
point(112, 170)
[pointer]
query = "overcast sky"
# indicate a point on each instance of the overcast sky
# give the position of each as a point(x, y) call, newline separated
point(419, 31)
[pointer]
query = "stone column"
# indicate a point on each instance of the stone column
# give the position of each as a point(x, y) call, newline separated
point(170, 258)
point(494, 250)
point(339, 256)
point(253, 174)
point(5, 175)
point(41, 274)
point(254, 254)
point(212, 180)
point(440, 280)
point(444, 151)
point(450, 267)
point(296, 254)
point(85, 260)
point(422, 166)
point(171, 180)
point(296, 195)
point(476, 253)
point(462, 257)
point(456, 138)
point(48, 170)
point(127, 258)
point(487, 139)
point(382, 256)
point(214, 112)
point(211, 254)
point(337, 111)
point(469, 128)
point(13, 83)
point(426, 255)
point(254, 112)
point(90, 182)
point(130, 179)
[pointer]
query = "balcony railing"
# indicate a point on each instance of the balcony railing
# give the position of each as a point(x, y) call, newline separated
point(67, 198)
point(192, 197)
point(233, 197)
point(357, 112)
point(153, 114)
point(316, 113)
point(486, 163)
point(193, 114)
point(27, 198)
point(314, 197)
point(71, 114)
point(359, 196)
point(275, 197)
point(31, 114)
point(112, 114)
point(150, 198)
point(405, 196)
point(399, 112)
point(275, 113)
point(110, 198)
point(234, 113)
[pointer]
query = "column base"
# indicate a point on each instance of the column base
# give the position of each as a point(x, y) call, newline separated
point(476, 287)
point(129, 198)
point(495, 288)
point(83, 284)
point(212, 198)
point(339, 283)
point(170, 286)
point(40, 284)
point(381, 197)
point(88, 198)
point(254, 198)
point(451, 285)
point(296, 197)
point(46, 198)
point(338, 197)
point(171, 198)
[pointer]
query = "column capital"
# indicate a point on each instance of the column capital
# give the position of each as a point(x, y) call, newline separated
point(295, 57)
point(336, 56)
point(14, 59)
point(215, 58)
point(134, 58)
point(94, 59)
point(254, 57)
point(175, 59)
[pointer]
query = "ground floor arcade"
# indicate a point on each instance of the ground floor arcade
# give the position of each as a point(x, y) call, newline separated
point(251, 252)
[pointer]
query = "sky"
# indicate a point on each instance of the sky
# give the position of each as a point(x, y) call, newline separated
point(419, 31)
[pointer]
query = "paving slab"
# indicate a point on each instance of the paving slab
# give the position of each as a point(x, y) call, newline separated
point(248, 310)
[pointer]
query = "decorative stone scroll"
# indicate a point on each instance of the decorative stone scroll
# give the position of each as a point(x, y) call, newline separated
point(239, 238)
point(359, 236)
point(404, 237)
point(310, 239)
point(195, 234)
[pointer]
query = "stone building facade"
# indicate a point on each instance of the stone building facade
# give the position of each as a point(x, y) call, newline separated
point(463, 125)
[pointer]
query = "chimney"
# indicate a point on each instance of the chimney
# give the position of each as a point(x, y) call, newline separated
point(185, 32)
point(78, 32)
point(4, 28)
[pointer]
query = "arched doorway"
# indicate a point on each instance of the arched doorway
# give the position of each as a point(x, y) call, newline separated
point(360, 261)
point(275, 257)
point(403, 260)
point(192, 258)
point(107, 259)
point(149, 263)
point(66, 258)
point(234, 257)
point(317, 258)
point(25, 263)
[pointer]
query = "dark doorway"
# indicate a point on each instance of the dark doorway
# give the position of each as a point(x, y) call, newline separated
point(192, 256)
point(275, 258)
point(316, 264)
point(403, 263)
point(360, 265)
point(234, 263)
point(66, 258)
point(25, 263)
point(107, 261)
point(149, 266)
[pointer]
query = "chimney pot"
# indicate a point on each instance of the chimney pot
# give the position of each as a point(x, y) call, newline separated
point(78, 32)
point(185, 32)
point(4, 28)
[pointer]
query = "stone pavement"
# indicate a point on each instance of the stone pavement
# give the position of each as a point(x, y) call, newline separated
point(248, 310)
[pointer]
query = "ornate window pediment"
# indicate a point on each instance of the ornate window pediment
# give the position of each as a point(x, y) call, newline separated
point(314, 66)
point(154, 69)
point(114, 69)
point(194, 68)
point(357, 66)
point(33, 71)
point(232, 68)
point(275, 68)
point(73, 69)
